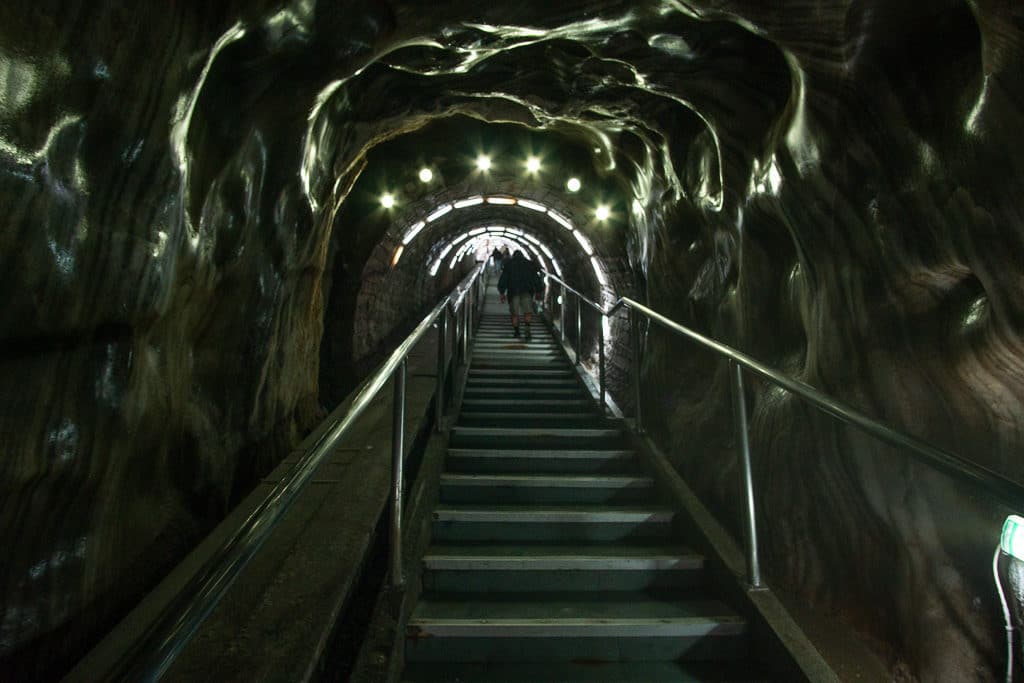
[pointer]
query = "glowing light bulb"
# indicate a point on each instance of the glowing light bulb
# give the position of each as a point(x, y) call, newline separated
point(533, 165)
point(573, 185)
point(387, 200)
point(483, 162)
point(602, 213)
point(426, 175)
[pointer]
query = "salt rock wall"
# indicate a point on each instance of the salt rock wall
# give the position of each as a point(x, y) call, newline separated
point(873, 251)
point(831, 185)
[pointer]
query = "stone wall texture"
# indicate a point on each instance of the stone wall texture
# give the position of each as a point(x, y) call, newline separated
point(832, 186)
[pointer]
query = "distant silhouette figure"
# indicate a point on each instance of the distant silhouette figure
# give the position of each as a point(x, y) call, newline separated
point(520, 280)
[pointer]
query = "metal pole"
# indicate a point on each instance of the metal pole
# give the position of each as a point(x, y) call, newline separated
point(397, 467)
point(456, 335)
point(466, 321)
point(460, 334)
point(561, 314)
point(634, 324)
point(471, 307)
point(579, 330)
point(600, 356)
point(442, 334)
point(740, 409)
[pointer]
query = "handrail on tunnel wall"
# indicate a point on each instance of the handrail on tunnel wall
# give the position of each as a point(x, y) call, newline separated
point(168, 636)
point(955, 466)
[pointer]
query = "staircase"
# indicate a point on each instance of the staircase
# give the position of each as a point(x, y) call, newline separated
point(553, 557)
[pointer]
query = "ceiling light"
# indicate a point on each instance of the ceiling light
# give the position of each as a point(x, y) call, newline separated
point(413, 231)
point(560, 219)
point(533, 165)
point(573, 185)
point(440, 211)
point(535, 206)
point(483, 163)
point(387, 200)
point(584, 242)
point(602, 279)
point(602, 213)
point(469, 201)
point(426, 175)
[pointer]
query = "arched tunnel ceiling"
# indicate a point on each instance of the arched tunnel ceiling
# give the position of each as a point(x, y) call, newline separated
point(611, 81)
point(449, 149)
point(830, 185)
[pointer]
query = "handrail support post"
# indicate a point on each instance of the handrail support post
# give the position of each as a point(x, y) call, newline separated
point(579, 330)
point(397, 472)
point(561, 314)
point(742, 433)
point(471, 307)
point(466, 321)
point(637, 343)
point(442, 335)
point(600, 359)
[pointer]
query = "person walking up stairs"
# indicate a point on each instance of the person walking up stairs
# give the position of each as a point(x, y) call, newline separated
point(520, 281)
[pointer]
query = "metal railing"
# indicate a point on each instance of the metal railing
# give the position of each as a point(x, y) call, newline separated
point(154, 653)
point(1000, 487)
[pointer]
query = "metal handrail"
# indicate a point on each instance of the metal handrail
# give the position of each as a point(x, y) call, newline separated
point(180, 620)
point(1006, 490)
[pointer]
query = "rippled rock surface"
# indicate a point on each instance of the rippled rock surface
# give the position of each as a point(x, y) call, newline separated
point(832, 186)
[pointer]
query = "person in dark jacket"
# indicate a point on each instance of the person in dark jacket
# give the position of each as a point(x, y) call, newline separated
point(520, 280)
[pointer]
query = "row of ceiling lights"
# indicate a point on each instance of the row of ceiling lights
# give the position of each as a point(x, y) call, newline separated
point(484, 163)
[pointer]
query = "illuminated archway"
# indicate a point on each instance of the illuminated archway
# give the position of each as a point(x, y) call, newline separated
point(516, 236)
point(439, 211)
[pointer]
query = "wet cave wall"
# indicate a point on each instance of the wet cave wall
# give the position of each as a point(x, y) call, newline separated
point(832, 186)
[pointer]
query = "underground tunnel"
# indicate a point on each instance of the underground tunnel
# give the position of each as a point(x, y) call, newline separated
point(220, 218)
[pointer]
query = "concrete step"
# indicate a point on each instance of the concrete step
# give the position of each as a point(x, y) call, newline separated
point(535, 437)
point(619, 626)
point(530, 351)
point(508, 338)
point(520, 365)
point(532, 420)
point(522, 381)
point(512, 373)
point(531, 460)
point(560, 568)
point(519, 355)
point(545, 488)
point(582, 672)
point(562, 523)
point(505, 330)
point(510, 343)
point(521, 393)
point(507, 334)
point(527, 406)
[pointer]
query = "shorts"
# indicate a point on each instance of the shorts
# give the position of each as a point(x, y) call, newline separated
point(520, 304)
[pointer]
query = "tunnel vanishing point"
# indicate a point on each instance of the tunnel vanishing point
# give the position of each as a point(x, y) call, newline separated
point(218, 217)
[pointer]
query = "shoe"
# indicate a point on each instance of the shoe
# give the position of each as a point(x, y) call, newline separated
point(515, 331)
point(528, 335)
